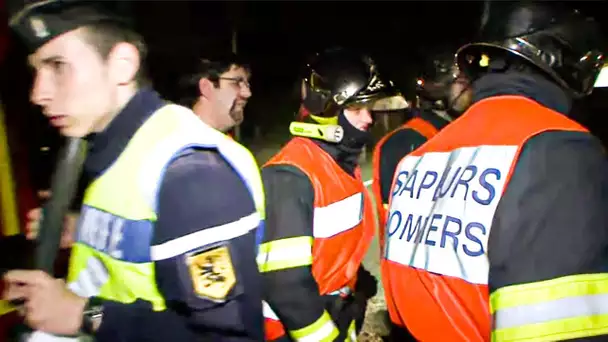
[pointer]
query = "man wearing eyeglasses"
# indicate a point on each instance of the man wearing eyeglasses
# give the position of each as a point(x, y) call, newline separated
point(217, 91)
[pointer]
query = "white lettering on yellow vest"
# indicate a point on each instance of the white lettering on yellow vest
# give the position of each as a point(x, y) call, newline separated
point(91, 279)
point(102, 231)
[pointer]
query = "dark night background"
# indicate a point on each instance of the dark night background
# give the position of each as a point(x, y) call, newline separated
point(275, 37)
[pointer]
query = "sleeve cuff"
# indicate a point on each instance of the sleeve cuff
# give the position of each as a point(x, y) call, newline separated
point(323, 330)
point(120, 319)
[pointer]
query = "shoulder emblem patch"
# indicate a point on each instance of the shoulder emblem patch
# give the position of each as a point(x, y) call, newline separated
point(212, 273)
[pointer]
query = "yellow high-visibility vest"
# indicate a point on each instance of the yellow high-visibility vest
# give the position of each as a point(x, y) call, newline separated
point(8, 205)
point(112, 257)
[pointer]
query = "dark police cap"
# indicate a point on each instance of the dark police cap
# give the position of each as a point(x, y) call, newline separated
point(38, 22)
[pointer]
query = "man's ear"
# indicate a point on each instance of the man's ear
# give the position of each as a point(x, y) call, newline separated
point(123, 62)
point(205, 87)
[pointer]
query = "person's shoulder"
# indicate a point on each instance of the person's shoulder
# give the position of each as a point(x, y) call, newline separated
point(402, 138)
point(200, 190)
point(566, 145)
point(199, 169)
point(279, 175)
point(209, 160)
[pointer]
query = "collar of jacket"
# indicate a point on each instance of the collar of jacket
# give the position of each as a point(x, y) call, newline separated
point(104, 147)
point(532, 86)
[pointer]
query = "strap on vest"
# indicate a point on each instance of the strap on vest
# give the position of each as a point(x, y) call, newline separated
point(425, 128)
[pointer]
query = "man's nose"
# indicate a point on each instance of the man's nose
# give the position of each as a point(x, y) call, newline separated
point(41, 93)
point(245, 91)
point(366, 116)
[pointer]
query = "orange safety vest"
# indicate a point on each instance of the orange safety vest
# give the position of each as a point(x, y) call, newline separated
point(427, 130)
point(435, 269)
point(344, 224)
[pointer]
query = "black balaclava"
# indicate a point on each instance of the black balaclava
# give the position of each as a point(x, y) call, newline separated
point(354, 138)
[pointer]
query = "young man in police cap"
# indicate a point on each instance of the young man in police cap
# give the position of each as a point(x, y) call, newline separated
point(165, 247)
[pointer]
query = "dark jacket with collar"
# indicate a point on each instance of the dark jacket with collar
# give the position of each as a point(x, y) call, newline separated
point(552, 219)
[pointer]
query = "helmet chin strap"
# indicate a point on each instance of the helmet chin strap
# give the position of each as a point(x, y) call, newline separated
point(443, 114)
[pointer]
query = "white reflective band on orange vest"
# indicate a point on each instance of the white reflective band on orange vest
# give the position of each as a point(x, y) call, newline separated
point(268, 312)
point(441, 210)
point(338, 217)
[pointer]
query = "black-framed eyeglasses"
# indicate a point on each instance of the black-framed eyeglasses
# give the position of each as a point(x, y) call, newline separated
point(240, 81)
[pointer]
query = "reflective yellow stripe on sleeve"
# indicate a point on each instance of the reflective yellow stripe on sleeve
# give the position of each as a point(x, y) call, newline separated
point(553, 310)
point(351, 334)
point(285, 253)
point(323, 330)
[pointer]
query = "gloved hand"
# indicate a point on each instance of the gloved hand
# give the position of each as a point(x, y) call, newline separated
point(367, 285)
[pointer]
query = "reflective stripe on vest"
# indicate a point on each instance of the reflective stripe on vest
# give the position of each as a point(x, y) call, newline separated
point(424, 128)
point(343, 227)
point(351, 334)
point(328, 221)
point(322, 330)
point(443, 200)
point(560, 309)
point(112, 257)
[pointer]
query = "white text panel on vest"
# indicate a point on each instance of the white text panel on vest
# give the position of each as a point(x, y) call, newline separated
point(441, 210)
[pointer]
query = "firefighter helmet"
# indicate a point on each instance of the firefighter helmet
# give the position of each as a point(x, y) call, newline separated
point(338, 78)
point(443, 87)
point(562, 43)
point(434, 83)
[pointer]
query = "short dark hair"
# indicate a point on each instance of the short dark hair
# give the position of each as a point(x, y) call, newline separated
point(209, 68)
point(104, 35)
